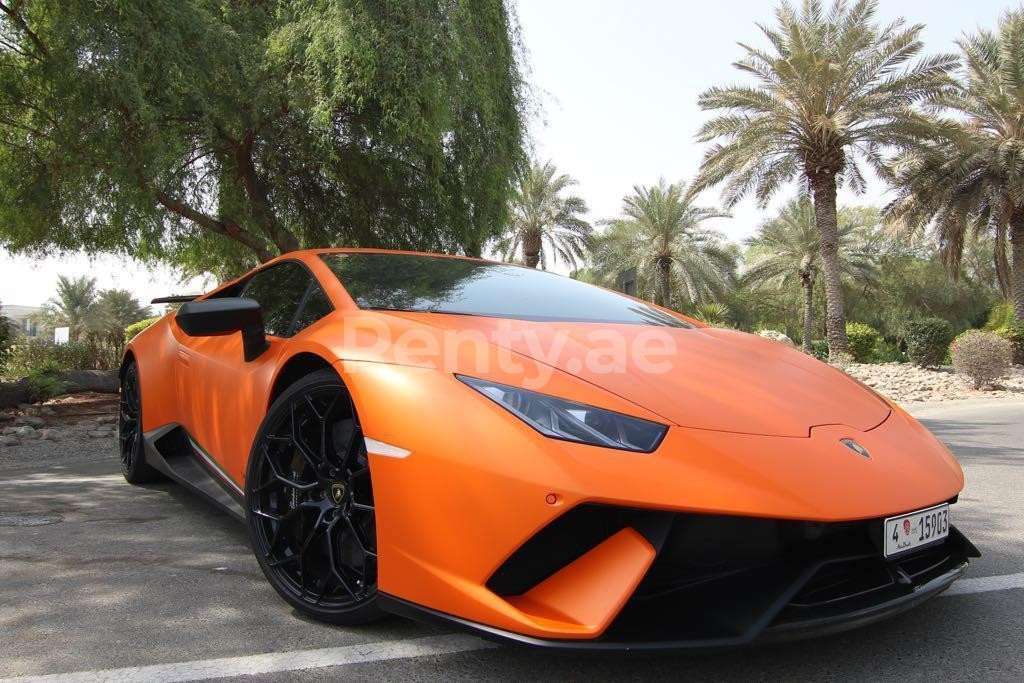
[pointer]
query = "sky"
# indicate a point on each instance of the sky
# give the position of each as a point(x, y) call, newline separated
point(617, 84)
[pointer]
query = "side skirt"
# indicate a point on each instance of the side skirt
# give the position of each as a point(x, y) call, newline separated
point(172, 451)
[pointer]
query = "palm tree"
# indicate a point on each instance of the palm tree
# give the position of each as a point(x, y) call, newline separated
point(788, 248)
point(833, 90)
point(73, 306)
point(660, 233)
point(974, 180)
point(544, 221)
point(116, 309)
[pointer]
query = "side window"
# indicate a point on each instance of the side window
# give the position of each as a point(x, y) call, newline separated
point(317, 306)
point(279, 290)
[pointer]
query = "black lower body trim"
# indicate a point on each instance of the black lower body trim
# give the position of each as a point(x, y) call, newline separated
point(782, 632)
point(170, 450)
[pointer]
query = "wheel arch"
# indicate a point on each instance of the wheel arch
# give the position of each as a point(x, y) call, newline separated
point(126, 360)
point(294, 369)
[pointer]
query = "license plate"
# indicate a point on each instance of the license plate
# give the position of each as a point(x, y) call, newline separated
point(916, 529)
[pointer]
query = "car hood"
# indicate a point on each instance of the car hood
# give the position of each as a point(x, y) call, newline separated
point(714, 379)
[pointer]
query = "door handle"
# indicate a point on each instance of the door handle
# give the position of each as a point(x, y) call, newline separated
point(184, 357)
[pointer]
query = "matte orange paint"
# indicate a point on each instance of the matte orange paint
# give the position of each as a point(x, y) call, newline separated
point(754, 430)
point(589, 591)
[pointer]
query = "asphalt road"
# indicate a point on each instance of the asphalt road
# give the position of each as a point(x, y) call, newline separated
point(97, 575)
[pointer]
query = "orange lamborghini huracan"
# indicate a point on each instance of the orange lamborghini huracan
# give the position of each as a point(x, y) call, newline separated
point(536, 459)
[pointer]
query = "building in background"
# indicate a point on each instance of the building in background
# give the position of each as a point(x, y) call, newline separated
point(23, 319)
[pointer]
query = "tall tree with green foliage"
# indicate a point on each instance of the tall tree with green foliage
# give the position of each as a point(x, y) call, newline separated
point(661, 234)
point(973, 180)
point(833, 89)
point(116, 309)
point(545, 221)
point(73, 306)
point(787, 248)
point(208, 133)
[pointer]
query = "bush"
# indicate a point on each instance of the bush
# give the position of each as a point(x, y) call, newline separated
point(93, 353)
point(927, 341)
point(863, 339)
point(884, 352)
point(135, 328)
point(42, 384)
point(1000, 316)
point(1014, 333)
point(982, 356)
point(819, 348)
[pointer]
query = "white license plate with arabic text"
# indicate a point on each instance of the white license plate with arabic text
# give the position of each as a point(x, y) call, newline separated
point(916, 529)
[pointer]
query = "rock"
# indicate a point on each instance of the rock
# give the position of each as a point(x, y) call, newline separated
point(26, 432)
point(30, 421)
point(4, 417)
point(49, 412)
point(48, 434)
point(107, 419)
point(775, 335)
point(100, 434)
point(8, 441)
point(7, 431)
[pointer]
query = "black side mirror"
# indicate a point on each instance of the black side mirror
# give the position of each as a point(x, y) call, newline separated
point(212, 317)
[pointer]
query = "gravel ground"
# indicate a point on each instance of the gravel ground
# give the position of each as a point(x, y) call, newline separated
point(905, 383)
point(68, 429)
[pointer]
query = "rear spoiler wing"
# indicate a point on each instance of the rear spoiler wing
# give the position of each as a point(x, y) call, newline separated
point(176, 299)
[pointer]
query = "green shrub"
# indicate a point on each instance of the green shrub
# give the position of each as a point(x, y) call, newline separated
point(135, 328)
point(819, 348)
point(42, 381)
point(92, 353)
point(885, 352)
point(982, 356)
point(863, 339)
point(1014, 333)
point(1001, 315)
point(927, 341)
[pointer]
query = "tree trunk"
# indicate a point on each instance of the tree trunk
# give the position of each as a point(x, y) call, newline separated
point(664, 282)
point(228, 228)
point(1002, 263)
point(808, 284)
point(531, 249)
point(824, 187)
point(256, 189)
point(1017, 267)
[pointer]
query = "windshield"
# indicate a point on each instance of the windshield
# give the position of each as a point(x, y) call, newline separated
point(436, 284)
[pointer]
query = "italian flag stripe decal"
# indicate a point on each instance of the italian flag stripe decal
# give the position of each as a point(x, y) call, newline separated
point(214, 466)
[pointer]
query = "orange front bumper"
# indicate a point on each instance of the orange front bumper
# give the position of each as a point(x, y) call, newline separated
point(476, 484)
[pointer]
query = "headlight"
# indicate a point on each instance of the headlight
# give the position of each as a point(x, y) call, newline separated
point(571, 421)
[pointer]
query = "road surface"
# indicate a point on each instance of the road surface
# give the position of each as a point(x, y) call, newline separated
point(97, 576)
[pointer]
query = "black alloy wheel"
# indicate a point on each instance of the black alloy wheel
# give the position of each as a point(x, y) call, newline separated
point(309, 503)
point(129, 430)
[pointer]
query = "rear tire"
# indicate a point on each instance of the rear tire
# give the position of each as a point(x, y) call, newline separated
point(309, 503)
point(129, 430)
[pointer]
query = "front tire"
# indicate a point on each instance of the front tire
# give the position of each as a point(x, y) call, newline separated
point(129, 430)
point(309, 503)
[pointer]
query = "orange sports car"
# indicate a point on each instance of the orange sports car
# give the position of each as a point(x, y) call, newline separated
point(536, 459)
